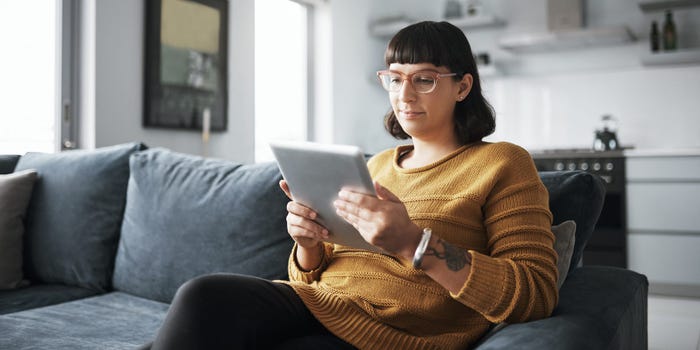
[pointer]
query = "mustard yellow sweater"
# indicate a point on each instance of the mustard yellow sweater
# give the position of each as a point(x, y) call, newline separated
point(486, 198)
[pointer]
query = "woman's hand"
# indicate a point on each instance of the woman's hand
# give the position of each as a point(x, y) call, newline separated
point(382, 221)
point(308, 234)
point(300, 222)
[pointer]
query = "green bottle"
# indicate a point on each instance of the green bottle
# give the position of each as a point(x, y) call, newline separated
point(670, 39)
point(654, 37)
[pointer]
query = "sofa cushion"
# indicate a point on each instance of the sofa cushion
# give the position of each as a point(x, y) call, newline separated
point(187, 216)
point(8, 163)
point(75, 213)
point(111, 321)
point(578, 196)
point(15, 191)
point(39, 295)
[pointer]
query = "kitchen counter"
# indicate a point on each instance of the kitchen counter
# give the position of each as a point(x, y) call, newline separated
point(626, 152)
point(662, 152)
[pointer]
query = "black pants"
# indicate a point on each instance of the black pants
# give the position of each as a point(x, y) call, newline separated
point(228, 311)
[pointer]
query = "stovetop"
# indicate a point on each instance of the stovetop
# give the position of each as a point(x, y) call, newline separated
point(576, 153)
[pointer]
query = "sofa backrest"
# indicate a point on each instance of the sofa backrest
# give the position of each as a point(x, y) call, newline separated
point(186, 216)
point(74, 215)
point(575, 195)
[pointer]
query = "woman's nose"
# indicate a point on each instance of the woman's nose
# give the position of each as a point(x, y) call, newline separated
point(407, 92)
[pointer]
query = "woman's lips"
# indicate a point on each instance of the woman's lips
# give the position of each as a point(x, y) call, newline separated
point(410, 114)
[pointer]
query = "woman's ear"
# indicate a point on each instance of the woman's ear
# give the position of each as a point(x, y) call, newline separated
point(465, 86)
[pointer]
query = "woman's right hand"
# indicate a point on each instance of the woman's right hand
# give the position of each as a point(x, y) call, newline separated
point(301, 224)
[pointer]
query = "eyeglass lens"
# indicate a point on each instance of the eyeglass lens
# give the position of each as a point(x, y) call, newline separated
point(421, 82)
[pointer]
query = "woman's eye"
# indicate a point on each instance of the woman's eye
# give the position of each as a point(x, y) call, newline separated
point(424, 80)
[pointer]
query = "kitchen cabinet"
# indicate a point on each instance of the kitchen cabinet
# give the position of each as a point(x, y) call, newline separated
point(663, 216)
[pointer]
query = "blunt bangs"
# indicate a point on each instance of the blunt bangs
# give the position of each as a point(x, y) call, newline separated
point(428, 42)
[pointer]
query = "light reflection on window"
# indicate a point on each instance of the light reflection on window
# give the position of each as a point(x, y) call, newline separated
point(280, 74)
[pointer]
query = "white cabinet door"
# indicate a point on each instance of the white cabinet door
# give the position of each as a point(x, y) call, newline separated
point(665, 258)
point(663, 206)
point(663, 220)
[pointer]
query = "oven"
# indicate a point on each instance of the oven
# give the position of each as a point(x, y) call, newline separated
point(608, 243)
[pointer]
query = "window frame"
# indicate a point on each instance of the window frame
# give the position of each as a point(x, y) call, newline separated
point(68, 104)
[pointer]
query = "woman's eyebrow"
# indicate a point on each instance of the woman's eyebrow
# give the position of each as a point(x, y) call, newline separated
point(418, 71)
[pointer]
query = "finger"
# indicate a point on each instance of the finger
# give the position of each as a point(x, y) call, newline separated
point(384, 193)
point(357, 198)
point(301, 210)
point(350, 208)
point(303, 237)
point(305, 227)
point(285, 187)
point(298, 232)
point(347, 216)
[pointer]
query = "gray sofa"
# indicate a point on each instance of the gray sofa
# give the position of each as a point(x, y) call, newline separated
point(111, 233)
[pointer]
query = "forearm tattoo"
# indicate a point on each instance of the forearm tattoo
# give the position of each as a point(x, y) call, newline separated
point(454, 257)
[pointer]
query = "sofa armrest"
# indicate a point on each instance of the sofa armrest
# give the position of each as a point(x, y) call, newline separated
point(599, 308)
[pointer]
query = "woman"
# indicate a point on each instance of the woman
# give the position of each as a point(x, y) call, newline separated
point(464, 223)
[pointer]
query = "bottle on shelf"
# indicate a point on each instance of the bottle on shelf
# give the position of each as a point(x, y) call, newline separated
point(654, 37)
point(670, 39)
point(474, 8)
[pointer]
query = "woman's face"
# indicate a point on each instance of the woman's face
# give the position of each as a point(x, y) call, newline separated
point(429, 116)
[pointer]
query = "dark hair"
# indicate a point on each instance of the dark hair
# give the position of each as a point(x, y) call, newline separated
point(443, 44)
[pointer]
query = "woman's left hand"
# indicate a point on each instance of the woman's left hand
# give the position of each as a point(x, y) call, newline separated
point(383, 220)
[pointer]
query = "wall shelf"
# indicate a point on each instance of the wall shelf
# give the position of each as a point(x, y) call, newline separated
point(389, 28)
point(686, 56)
point(651, 6)
point(567, 40)
point(481, 21)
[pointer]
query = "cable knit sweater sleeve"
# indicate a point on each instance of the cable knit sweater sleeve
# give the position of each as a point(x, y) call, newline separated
point(516, 281)
point(296, 273)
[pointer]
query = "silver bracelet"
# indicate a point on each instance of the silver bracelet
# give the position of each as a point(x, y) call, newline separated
point(422, 246)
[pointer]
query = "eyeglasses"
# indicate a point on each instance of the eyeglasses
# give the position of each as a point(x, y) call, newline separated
point(423, 82)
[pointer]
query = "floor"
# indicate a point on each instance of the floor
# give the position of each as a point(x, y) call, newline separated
point(674, 323)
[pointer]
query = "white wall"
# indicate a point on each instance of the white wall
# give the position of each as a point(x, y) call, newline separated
point(359, 102)
point(114, 107)
point(543, 100)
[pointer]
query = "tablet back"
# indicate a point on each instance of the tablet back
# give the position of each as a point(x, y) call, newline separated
point(316, 173)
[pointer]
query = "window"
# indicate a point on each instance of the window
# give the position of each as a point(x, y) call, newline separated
point(281, 73)
point(39, 90)
point(28, 94)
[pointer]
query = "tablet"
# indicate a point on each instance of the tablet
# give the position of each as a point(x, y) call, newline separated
point(316, 173)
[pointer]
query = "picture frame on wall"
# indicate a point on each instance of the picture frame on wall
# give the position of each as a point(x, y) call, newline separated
point(186, 64)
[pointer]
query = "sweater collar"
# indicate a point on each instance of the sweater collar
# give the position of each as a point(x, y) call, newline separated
point(402, 149)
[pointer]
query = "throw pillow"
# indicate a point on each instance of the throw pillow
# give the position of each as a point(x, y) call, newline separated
point(15, 192)
point(8, 163)
point(564, 241)
point(186, 216)
point(75, 214)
